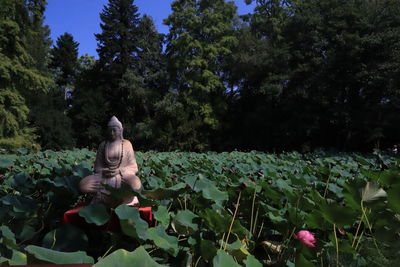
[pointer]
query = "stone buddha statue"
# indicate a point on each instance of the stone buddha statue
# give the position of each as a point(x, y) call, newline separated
point(115, 164)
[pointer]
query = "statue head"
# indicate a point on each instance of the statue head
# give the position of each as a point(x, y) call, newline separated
point(114, 129)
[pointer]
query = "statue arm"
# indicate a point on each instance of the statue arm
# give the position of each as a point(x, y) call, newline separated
point(99, 163)
point(91, 183)
point(130, 168)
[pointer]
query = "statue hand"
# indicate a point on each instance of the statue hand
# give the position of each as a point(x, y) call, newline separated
point(131, 201)
point(90, 185)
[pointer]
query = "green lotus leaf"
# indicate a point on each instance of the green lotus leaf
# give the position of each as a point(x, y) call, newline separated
point(337, 214)
point(95, 213)
point(198, 183)
point(39, 254)
point(251, 261)
point(22, 151)
point(283, 185)
point(21, 181)
point(351, 194)
point(315, 219)
point(18, 258)
point(6, 162)
point(19, 204)
point(82, 170)
point(301, 261)
point(126, 191)
point(211, 192)
point(26, 233)
point(270, 192)
point(166, 193)
point(185, 218)
point(123, 258)
point(162, 240)
point(66, 238)
point(207, 249)
point(216, 222)
point(131, 223)
point(223, 259)
point(8, 237)
point(394, 198)
point(162, 216)
point(389, 177)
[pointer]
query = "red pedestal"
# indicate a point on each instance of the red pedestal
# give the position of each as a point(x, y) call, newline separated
point(72, 217)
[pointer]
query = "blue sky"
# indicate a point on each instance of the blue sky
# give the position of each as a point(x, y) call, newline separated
point(81, 18)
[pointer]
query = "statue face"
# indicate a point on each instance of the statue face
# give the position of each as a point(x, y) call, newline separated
point(114, 133)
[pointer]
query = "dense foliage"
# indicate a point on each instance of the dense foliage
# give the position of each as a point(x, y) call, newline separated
point(228, 208)
point(291, 75)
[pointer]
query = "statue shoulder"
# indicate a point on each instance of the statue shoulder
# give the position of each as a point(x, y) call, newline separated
point(127, 143)
point(101, 146)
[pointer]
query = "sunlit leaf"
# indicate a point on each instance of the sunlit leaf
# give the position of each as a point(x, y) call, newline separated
point(123, 258)
point(18, 258)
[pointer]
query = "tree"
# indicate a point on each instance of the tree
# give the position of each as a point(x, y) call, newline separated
point(21, 73)
point(335, 65)
point(129, 76)
point(146, 84)
point(199, 40)
point(118, 52)
point(89, 105)
point(117, 43)
point(50, 112)
point(64, 60)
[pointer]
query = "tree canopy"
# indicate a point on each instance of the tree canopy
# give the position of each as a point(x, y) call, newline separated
point(291, 75)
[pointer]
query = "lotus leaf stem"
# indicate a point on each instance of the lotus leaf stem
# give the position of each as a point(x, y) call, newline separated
point(337, 245)
point(233, 219)
point(252, 211)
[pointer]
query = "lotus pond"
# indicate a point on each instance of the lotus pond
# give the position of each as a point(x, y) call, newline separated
point(211, 209)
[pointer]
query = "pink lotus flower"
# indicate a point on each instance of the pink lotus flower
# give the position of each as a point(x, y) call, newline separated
point(306, 238)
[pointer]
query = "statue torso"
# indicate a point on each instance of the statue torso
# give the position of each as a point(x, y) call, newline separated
point(113, 154)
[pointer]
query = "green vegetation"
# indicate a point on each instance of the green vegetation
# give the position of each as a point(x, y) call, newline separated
point(228, 208)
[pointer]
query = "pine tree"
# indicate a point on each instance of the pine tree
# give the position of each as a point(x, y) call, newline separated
point(117, 43)
point(199, 40)
point(50, 108)
point(146, 84)
point(90, 106)
point(335, 65)
point(118, 52)
point(131, 68)
point(65, 59)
